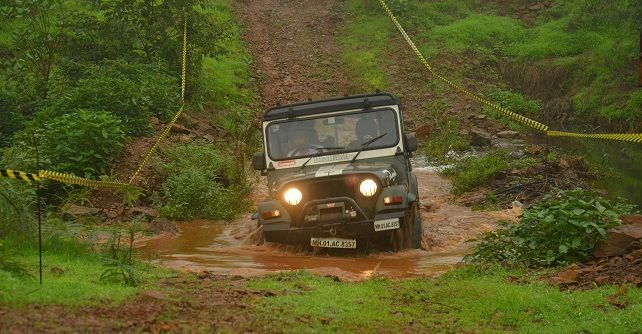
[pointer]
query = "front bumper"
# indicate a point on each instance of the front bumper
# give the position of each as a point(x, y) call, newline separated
point(285, 233)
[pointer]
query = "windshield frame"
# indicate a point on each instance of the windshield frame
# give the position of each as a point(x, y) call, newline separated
point(332, 114)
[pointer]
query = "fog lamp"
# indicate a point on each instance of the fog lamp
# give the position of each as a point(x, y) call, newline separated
point(293, 196)
point(368, 187)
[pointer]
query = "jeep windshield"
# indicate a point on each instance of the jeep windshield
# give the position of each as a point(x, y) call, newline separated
point(331, 133)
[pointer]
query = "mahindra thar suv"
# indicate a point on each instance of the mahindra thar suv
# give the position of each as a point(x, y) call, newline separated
point(339, 174)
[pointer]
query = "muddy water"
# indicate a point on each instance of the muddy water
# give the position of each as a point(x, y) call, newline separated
point(228, 248)
point(207, 245)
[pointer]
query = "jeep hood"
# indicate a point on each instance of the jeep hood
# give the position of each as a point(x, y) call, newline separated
point(385, 172)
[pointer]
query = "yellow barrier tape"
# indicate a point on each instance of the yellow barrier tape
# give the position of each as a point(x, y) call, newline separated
point(17, 175)
point(60, 177)
point(628, 137)
point(175, 118)
point(72, 179)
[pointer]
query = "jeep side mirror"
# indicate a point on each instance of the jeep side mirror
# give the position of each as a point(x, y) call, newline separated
point(258, 161)
point(411, 142)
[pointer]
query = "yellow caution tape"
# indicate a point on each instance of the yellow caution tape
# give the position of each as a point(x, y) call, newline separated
point(72, 179)
point(178, 113)
point(60, 177)
point(16, 175)
point(629, 137)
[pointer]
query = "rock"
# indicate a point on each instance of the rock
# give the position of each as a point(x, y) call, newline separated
point(507, 134)
point(480, 117)
point(142, 210)
point(209, 138)
point(160, 225)
point(464, 132)
point(564, 164)
point(621, 239)
point(177, 128)
point(480, 137)
point(535, 150)
point(423, 130)
point(75, 211)
point(185, 138)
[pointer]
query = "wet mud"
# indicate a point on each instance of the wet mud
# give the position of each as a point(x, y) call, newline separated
point(235, 248)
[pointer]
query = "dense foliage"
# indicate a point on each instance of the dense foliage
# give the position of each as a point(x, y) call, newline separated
point(197, 183)
point(563, 228)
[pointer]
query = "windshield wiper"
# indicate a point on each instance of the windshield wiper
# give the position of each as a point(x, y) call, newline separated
point(320, 150)
point(366, 144)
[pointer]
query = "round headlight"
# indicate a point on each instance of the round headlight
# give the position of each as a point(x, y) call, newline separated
point(368, 187)
point(292, 196)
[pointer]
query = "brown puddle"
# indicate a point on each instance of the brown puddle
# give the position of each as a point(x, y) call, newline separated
point(210, 246)
point(219, 247)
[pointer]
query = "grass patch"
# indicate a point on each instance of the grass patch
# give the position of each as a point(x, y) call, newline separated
point(224, 80)
point(472, 172)
point(363, 43)
point(79, 283)
point(465, 299)
point(445, 139)
point(514, 102)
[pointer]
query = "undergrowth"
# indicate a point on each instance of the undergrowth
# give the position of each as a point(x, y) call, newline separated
point(197, 183)
point(564, 227)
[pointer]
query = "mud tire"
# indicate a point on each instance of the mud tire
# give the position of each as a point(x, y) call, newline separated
point(409, 235)
point(417, 228)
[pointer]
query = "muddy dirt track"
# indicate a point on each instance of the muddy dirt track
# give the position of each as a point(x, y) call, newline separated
point(288, 39)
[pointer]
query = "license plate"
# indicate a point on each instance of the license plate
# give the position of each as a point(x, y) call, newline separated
point(386, 224)
point(333, 242)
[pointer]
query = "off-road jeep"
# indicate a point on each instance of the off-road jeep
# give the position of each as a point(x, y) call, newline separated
point(339, 174)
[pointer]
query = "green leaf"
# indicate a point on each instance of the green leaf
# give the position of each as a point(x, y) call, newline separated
point(563, 249)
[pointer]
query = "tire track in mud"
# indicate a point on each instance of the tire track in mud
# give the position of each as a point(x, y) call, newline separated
point(292, 42)
point(294, 49)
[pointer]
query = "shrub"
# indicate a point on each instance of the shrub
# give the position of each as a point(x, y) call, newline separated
point(563, 228)
point(131, 91)
point(196, 183)
point(84, 142)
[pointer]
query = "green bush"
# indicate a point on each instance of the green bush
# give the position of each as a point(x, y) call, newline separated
point(131, 91)
point(563, 228)
point(475, 171)
point(84, 143)
point(196, 184)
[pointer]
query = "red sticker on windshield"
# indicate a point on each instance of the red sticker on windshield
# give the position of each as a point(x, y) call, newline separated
point(286, 163)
